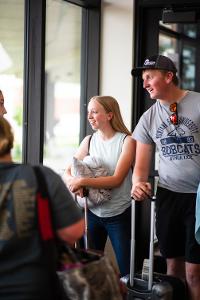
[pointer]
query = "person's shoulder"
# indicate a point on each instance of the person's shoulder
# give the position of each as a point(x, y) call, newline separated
point(128, 141)
point(52, 178)
point(151, 109)
point(87, 139)
point(192, 98)
point(47, 170)
point(194, 94)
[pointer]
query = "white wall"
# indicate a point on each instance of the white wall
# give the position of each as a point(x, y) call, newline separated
point(116, 53)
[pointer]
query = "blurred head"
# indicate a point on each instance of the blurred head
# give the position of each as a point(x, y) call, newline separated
point(2, 107)
point(111, 105)
point(6, 137)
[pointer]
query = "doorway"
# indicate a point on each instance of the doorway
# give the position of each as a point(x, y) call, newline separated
point(178, 38)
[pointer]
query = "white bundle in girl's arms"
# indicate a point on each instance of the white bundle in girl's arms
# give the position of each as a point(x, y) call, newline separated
point(91, 167)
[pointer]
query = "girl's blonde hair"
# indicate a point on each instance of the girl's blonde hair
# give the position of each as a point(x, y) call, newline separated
point(110, 104)
point(6, 137)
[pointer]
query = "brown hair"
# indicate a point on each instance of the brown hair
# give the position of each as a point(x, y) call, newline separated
point(6, 137)
point(110, 104)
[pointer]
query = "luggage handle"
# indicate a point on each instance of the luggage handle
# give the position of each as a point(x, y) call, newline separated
point(85, 237)
point(85, 194)
point(151, 246)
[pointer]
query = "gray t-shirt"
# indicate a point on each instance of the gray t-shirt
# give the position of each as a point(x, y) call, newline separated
point(178, 146)
point(22, 273)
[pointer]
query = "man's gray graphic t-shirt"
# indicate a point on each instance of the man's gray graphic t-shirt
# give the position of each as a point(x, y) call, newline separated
point(178, 145)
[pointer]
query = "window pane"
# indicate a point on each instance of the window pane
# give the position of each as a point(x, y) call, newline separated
point(167, 44)
point(189, 59)
point(11, 66)
point(190, 30)
point(62, 66)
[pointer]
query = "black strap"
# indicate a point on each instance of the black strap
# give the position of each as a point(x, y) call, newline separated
point(125, 137)
point(89, 140)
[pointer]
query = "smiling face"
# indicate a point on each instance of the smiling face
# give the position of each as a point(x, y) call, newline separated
point(156, 82)
point(2, 107)
point(97, 116)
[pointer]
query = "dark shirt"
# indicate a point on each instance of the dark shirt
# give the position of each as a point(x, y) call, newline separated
point(22, 270)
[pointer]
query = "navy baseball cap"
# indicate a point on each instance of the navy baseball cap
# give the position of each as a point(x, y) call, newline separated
point(157, 62)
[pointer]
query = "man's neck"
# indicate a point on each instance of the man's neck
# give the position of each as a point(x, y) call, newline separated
point(175, 95)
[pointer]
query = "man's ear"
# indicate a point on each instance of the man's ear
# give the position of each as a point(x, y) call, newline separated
point(169, 76)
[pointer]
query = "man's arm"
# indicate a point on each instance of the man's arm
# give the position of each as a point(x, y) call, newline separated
point(141, 188)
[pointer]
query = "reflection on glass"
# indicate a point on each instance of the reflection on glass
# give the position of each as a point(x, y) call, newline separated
point(167, 44)
point(62, 66)
point(190, 30)
point(188, 71)
point(11, 67)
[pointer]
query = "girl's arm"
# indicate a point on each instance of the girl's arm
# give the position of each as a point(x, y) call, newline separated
point(125, 162)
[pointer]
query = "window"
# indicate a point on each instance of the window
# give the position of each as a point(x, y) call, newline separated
point(11, 66)
point(188, 72)
point(62, 71)
point(179, 42)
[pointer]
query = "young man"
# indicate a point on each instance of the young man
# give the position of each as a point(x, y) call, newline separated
point(173, 124)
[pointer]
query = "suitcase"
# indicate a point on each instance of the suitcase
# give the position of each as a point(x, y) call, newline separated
point(155, 286)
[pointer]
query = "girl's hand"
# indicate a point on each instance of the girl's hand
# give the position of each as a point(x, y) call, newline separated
point(80, 193)
point(74, 184)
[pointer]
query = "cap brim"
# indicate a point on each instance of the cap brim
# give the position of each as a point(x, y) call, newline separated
point(137, 71)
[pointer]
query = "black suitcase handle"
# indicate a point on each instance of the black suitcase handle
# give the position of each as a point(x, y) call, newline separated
point(151, 246)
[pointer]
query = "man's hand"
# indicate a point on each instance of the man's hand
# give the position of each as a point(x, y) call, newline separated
point(141, 191)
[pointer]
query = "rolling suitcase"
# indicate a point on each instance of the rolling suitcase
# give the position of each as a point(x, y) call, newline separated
point(156, 286)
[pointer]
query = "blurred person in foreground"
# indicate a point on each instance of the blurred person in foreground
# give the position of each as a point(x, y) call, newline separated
point(23, 275)
point(172, 123)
